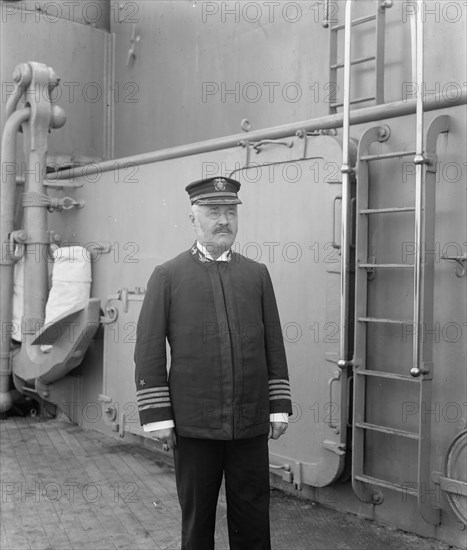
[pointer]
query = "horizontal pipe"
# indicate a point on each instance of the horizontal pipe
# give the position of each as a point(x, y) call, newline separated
point(360, 116)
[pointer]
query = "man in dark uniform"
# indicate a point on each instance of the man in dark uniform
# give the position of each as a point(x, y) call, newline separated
point(228, 385)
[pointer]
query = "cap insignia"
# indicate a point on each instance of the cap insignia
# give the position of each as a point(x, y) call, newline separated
point(219, 184)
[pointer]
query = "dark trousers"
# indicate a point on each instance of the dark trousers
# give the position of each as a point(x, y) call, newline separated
point(199, 467)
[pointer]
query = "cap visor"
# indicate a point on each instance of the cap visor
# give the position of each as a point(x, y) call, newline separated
point(218, 200)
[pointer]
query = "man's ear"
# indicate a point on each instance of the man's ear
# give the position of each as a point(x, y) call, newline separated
point(192, 219)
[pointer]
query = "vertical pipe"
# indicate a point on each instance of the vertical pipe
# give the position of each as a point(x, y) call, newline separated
point(419, 161)
point(36, 247)
point(380, 49)
point(22, 75)
point(7, 214)
point(35, 212)
point(413, 44)
point(346, 174)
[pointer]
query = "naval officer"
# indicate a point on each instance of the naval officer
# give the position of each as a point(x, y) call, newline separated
point(227, 388)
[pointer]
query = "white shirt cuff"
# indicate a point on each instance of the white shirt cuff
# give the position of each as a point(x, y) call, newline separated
point(162, 425)
point(279, 417)
point(166, 424)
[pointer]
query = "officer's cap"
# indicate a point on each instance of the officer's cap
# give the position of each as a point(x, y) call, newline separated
point(216, 190)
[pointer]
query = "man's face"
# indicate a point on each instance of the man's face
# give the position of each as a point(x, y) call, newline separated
point(216, 226)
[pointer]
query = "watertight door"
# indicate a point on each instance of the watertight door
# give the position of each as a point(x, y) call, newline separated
point(289, 220)
point(291, 223)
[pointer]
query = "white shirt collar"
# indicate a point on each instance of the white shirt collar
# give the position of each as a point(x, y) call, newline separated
point(224, 257)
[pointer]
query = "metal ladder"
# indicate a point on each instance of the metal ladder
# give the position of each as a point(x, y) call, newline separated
point(378, 58)
point(421, 371)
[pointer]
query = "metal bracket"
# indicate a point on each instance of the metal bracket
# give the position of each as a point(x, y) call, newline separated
point(246, 145)
point(338, 448)
point(304, 135)
point(297, 476)
point(64, 203)
point(125, 296)
point(371, 271)
point(17, 241)
point(258, 145)
point(286, 474)
point(460, 264)
point(136, 295)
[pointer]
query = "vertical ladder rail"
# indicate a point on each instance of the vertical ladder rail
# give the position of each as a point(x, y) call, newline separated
point(423, 276)
point(363, 491)
point(380, 48)
point(423, 369)
point(347, 172)
point(378, 58)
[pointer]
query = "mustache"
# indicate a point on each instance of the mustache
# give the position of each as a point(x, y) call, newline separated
point(223, 229)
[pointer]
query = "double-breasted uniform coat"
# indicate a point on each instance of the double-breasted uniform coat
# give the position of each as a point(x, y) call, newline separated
point(228, 369)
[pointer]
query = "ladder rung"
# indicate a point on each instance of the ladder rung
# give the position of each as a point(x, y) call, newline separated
point(354, 101)
point(406, 488)
point(378, 320)
point(355, 22)
point(355, 62)
point(391, 375)
point(386, 430)
point(394, 266)
point(383, 156)
point(386, 210)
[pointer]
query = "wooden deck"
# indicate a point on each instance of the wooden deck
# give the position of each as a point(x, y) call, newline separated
point(64, 488)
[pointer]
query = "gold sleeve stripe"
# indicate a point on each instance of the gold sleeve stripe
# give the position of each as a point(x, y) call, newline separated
point(280, 392)
point(153, 394)
point(155, 406)
point(153, 390)
point(153, 400)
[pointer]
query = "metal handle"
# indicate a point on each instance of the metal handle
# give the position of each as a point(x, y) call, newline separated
point(258, 145)
point(335, 378)
point(460, 264)
point(353, 211)
point(334, 243)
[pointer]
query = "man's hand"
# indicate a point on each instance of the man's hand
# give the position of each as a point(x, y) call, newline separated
point(277, 429)
point(166, 437)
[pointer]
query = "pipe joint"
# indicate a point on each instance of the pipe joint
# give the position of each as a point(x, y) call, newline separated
point(347, 169)
point(343, 364)
point(420, 159)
